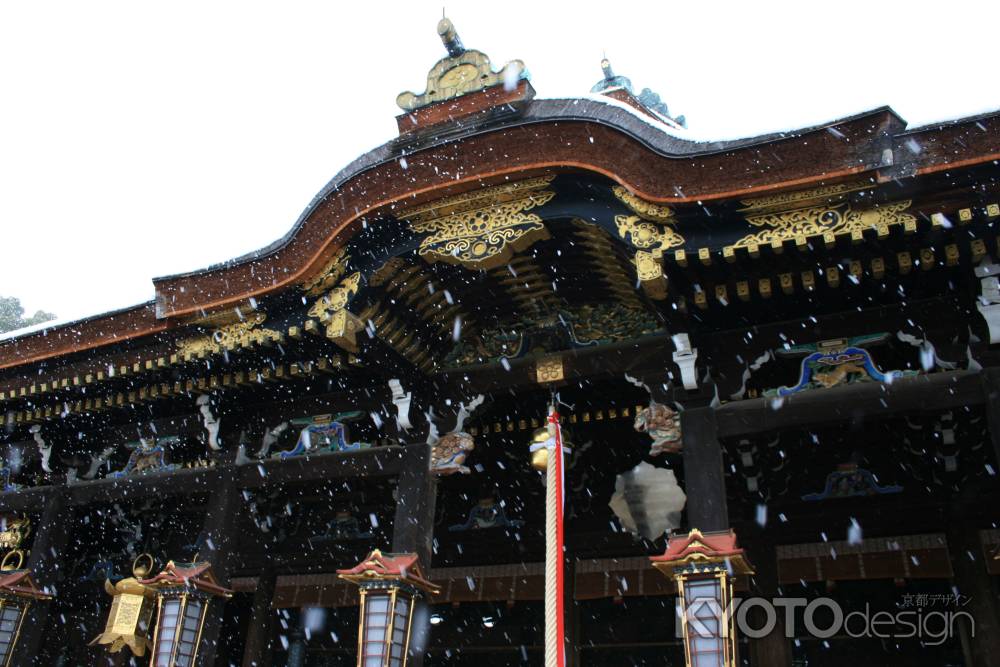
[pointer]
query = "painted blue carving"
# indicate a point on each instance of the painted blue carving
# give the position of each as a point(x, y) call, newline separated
point(148, 456)
point(323, 433)
point(850, 481)
point(487, 514)
point(843, 365)
point(7, 485)
point(345, 527)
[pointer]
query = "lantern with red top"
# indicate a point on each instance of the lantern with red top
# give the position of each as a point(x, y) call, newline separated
point(705, 565)
point(17, 588)
point(390, 585)
point(17, 591)
point(184, 593)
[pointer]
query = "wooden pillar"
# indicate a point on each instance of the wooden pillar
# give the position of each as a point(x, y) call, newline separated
point(258, 650)
point(990, 378)
point(774, 650)
point(215, 545)
point(47, 566)
point(973, 581)
point(413, 526)
point(297, 642)
point(413, 532)
point(704, 476)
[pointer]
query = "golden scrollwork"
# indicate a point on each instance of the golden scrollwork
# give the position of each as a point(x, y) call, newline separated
point(461, 72)
point(650, 241)
point(230, 337)
point(336, 299)
point(328, 276)
point(340, 325)
point(641, 207)
point(14, 531)
point(648, 236)
point(800, 198)
point(822, 220)
point(482, 230)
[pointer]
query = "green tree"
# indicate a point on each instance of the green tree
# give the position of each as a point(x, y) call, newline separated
point(12, 315)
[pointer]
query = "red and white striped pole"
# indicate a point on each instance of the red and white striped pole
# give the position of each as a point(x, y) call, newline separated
point(555, 610)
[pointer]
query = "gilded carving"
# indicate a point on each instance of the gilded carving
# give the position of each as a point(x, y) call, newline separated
point(800, 198)
point(646, 235)
point(332, 272)
point(463, 71)
point(341, 326)
point(336, 299)
point(649, 238)
point(643, 208)
point(230, 337)
point(820, 220)
point(549, 370)
point(482, 230)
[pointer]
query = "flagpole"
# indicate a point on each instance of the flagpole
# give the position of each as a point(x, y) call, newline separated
point(555, 632)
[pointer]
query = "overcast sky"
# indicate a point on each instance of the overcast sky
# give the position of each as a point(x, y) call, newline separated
point(140, 139)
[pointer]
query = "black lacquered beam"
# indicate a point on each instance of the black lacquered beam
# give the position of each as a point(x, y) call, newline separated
point(162, 484)
point(26, 500)
point(375, 462)
point(855, 402)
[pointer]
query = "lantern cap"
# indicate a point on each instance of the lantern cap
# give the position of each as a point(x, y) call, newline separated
point(189, 575)
point(377, 566)
point(20, 583)
point(697, 549)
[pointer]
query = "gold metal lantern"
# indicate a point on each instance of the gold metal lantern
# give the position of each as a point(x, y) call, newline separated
point(131, 611)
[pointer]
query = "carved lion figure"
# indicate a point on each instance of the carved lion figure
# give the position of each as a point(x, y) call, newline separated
point(449, 452)
point(663, 425)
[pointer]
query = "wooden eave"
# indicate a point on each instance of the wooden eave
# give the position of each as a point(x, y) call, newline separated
point(578, 135)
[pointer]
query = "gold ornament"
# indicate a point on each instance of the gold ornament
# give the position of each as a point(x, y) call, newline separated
point(328, 276)
point(229, 337)
point(642, 208)
point(823, 220)
point(483, 229)
point(801, 198)
point(463, 71)
point(131, 611)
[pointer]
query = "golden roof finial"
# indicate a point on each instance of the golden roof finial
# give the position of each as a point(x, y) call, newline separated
point(461, 72)
point(449, 37)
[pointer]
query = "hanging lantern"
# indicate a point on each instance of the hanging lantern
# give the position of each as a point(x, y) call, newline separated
point(131, 611)
point(17, 591)
point(390, 585)
point(704, 566)
point(184, 594)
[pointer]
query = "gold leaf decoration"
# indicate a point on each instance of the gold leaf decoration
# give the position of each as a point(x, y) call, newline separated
point(647, 236)
point(801, 198)
point(482, 230)
point(336, 299)
point(641, 207)
point(328, 276)
point(820, 220)
point(462, 71)
point(230, 337)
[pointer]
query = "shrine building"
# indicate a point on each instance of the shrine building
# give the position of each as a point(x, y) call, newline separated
point(768, 362)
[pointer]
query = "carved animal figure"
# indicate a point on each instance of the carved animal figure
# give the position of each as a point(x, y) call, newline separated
point(449, 453)
point(838, 374)
point(12, 531)
point(44, 449)
point(148, 456)
point(211, 423)
point(663, 425)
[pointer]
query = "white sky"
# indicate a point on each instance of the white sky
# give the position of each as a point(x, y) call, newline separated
point(139, 139)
